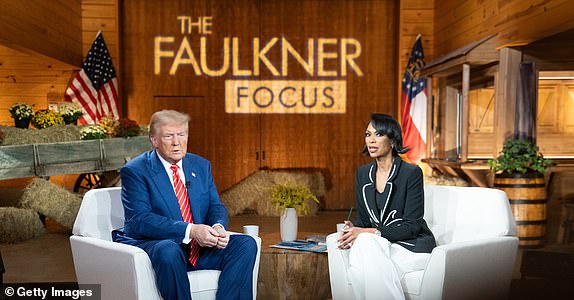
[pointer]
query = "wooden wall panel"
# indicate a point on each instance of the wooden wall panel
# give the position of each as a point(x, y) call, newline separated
point(26, 76)
point(49, 28)
point(517, 22)
point(481, 123)
point(415, 17)
point(101, 15)
point(51, 38)
point(231, 141)
point(29, 78)
point(332, 143)
point(481, 110)
point(555, 125)
point(567, 110)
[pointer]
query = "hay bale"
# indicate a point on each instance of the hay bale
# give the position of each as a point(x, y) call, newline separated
point(445, 180)
point(246, 194)
point(19, 224)
point(52, 201)
point(54, 134)
point(254, 192)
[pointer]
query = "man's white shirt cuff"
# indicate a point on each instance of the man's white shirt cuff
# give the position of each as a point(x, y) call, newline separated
point(186, 238)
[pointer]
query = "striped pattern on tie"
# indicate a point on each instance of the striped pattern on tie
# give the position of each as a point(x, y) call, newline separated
point(183, 201)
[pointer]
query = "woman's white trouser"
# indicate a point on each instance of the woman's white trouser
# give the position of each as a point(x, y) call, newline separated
point(375, 267)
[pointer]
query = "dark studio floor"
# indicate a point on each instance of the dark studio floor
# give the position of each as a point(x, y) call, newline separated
point(48, 258)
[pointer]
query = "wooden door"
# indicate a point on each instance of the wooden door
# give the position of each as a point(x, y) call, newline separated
point(331, 142)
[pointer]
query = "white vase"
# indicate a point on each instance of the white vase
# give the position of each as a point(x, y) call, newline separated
point(288, 225)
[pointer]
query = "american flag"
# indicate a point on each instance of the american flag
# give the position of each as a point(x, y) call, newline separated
point(414, 105)
point(95, 87)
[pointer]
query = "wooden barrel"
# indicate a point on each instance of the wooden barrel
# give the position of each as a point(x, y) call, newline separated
point(527, 196)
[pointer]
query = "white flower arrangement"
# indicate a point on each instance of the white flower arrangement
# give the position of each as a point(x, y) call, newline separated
point(21, 111)
point(70, 111)
point(92, 132)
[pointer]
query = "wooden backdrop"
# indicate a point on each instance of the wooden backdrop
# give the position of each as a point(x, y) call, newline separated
point(240, 144)
point(35, 72)
point(517, 22)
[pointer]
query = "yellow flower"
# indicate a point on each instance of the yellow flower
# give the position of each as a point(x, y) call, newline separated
point(45, 118)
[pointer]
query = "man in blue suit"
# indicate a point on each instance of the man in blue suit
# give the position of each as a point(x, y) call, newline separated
point(154, 220)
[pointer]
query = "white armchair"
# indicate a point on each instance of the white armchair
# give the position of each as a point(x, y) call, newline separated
point(475, 254)
point(124, 272)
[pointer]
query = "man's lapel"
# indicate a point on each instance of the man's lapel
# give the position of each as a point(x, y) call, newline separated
point(164, 187)
point(193, 189)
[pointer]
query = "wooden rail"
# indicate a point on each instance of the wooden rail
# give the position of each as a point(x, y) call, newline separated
point(19, 161)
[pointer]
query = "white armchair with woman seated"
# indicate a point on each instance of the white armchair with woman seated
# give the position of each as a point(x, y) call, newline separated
point(475, 254)
point(419, 243)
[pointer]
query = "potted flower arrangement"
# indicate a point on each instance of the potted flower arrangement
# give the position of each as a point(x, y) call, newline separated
point(92, 132)
point(21, 113)
point(127, 128)
point(519, 157)
point(292, 199)
point(70, 111)
point(109, 124)
point(45, 118)
point(519, 171)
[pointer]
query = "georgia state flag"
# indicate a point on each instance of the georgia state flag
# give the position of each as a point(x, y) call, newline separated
point(414, 105)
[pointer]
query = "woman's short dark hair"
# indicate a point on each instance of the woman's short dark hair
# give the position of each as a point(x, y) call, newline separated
point(387, 125)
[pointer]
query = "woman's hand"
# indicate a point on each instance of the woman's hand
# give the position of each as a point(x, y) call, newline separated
point(350, 233)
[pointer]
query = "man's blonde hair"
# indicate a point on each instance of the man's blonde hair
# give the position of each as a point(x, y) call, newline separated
point(166, 116)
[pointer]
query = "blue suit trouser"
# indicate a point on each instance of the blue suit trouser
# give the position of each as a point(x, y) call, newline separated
point(236, 261)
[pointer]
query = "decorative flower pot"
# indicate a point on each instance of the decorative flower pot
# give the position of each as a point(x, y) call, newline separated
point(527, 196)
point(70, 121)
point(22, 123)
point(288, 225)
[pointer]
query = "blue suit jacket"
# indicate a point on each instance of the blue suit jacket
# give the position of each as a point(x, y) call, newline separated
point(151, 210)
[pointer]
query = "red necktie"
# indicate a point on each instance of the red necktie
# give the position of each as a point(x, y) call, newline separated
point(183, 201)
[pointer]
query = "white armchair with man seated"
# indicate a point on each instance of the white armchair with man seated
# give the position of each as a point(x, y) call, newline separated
point(124, 271)
point(475, 254)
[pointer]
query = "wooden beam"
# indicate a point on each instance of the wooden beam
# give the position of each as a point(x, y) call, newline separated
point(552, 53)
point(48, 28)
point(430, 110)
point(478, 172)
point(505, 96)
point(481, 52)
point(449, 120)
point(464, 114)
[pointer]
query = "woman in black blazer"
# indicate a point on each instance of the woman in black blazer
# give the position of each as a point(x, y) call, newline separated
point(389, 236)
